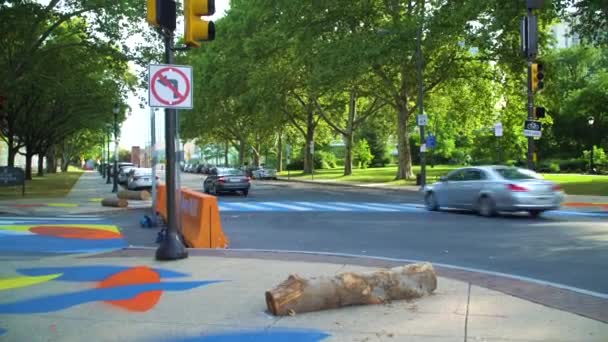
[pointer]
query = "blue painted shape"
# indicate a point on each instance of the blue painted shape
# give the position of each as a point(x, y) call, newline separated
point(91, 273)
point(2, 331)
point(431, 141)
point(52, 244)
point(272, 335)
point(58, 302)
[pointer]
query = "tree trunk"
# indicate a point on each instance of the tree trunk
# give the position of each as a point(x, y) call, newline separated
point(280, 153)
point(404, 170)
point(298, 295)
point(242, 152)
point(28, 165)
point(41, 165)
point(226, 148)
point(12, 152)
point(310, 138)
point(349, 137)
point(64, 164)
point(51, 162)
point(256, 156)
point(115, 202)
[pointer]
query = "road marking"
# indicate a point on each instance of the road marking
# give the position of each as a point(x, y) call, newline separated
point(286, 206)
point(36, 219)
point(366, 206)
point(398, 207)
point(324, 206)
point(470, 269)
point(248, 206)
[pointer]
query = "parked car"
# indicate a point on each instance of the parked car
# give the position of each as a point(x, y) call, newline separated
point(491, 189)
point(264, 173)
point(226, 180)
point(123, 174)
point(140, 178)
point(200, 168)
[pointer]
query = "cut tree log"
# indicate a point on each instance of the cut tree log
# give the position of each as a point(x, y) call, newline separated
point(134, 195)
point(114, 202)
point(297, 295)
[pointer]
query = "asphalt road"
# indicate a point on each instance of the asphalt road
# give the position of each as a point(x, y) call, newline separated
point(561, 248)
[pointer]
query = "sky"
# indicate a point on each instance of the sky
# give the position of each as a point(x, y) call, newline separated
point(136, 129)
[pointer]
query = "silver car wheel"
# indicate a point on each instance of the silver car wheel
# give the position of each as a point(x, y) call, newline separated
point(486, 207)
point(431, 202)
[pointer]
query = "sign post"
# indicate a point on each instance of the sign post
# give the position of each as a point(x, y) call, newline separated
point(498, 134)
point(170, 87)
point(312, 161)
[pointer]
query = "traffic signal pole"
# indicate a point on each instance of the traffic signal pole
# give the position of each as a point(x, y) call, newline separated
point(530, 60)
point(171, 248)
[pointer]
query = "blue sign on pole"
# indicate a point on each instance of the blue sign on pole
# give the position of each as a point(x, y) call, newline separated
point(431, 141)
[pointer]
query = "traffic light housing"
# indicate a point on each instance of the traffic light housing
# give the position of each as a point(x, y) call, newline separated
point(161, 13)
point(539, 112)
point(151, 15)
point(196, 29)
point(538, 76)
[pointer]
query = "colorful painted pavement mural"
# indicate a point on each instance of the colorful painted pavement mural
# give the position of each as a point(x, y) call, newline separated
point(274, 335)
point(136, 289)
point(60, 238)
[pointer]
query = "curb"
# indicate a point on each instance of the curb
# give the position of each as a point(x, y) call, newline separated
point(557, 296)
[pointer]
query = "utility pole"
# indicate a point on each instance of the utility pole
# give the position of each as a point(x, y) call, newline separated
point(530, 60)
point(108, 159)
point(153, 159)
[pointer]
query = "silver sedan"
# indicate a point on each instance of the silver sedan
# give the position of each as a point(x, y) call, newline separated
point(491, 189)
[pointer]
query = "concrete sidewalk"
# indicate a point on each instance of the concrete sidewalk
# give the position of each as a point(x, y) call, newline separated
point(84, 198)
point(127, 296)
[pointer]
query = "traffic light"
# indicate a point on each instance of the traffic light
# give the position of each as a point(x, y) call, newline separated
point(197, 29)
point(161, 13)
point(538, 76)
point(151, 15)
point(539, 112)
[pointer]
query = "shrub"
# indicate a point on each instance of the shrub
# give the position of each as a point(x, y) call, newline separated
point(549, 167)
point(325, 160)
point(362, 154)
point(573, 165)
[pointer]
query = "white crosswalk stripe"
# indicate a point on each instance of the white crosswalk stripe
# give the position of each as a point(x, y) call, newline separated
point(366, 206)
point(303, 206)
point(324, 207)
point(286, 206)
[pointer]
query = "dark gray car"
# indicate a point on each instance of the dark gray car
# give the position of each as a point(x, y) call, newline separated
point(226, 180)
point(490, 189)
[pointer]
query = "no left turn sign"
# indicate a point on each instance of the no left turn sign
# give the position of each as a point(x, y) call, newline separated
point(170, 86)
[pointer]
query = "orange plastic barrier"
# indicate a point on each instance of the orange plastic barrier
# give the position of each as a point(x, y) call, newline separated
point(200, 216)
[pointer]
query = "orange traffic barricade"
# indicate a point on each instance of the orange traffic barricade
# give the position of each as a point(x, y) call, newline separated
point(200, 218)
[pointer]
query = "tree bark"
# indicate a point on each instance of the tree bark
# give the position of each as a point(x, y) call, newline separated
point(64, 164)
point(242, 152)
point(226, 147)
point(114, 202)
point(349, 136)
point(404, 170)
point(256, 156)
point(12, 152)
point(134, 195)
point(310, 137)
point(41, 165)
point(28, 165)
point(298, 295)
point(280, 153)
point(51, 162)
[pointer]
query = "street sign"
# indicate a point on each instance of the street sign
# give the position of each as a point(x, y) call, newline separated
point(423, 148)
point(431, 141)
point(170, 86)
point(498, 129)
point(12, 176)
point(423, 120)
point(532, 129)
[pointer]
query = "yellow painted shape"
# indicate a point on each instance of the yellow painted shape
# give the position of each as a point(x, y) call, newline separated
point(62, 205)
point(25, 228)
point(16, 282)
point(96, 199)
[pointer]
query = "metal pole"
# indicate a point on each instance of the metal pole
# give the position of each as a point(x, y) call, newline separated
point(177, 169)
point(421, 103)
point(153, 159)
point(108, 166)
point(103, 157)
point(171, 248)
point(115, 171)
point(530, 154)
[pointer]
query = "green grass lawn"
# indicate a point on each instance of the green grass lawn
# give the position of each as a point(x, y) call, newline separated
point(573, 184)
point(51, 185)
